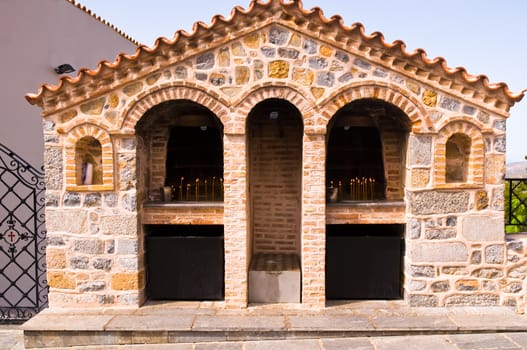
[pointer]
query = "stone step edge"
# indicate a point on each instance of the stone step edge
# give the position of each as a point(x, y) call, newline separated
point(56, 339)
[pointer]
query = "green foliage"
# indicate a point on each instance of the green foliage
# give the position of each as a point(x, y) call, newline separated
point(515, 206)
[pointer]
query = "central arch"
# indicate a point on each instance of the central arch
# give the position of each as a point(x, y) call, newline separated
point(274, 142)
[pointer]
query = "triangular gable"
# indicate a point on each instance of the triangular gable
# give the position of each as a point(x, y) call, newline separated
point(342, 54)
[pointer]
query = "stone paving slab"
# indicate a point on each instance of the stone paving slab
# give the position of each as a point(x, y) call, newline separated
point(483, 341)
point(518, 338)
point(347, 344)
point(155, 322)
point(238, 323)
point(67, 322)
point(482, 321)
point(412, 323)
point(417, 342)
point(329, 323)
point(11, 338)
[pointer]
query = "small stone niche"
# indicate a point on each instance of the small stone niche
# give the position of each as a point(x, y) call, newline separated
point(457, 158)
point(88, 162)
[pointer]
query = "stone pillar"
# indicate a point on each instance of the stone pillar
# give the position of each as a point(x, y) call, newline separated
point(237, 249)
point(314, 221)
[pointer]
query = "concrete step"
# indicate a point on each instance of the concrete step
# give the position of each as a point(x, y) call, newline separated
point(173, 325)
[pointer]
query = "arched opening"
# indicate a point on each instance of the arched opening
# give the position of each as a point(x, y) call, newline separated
point(180, 179)
point(365, 152)
point(365, 164)
point(457, 158)
point(274, 140)
point(88, 161)
point(184, 152)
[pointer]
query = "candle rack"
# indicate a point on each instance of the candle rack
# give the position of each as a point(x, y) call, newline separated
point(195, 190)
point(354, 189)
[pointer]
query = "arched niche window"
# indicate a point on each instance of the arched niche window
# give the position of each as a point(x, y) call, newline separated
point(459, 155)
point(88, 162)
point(457, 158)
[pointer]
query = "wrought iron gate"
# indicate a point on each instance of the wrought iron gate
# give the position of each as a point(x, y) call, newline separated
point(23, 286)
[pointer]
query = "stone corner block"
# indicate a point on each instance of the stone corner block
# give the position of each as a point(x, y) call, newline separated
point(483, 228)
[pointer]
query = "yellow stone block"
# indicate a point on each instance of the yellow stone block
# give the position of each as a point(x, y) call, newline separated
point(67, 116)
point(224, 57)
point(430, 98)
point(303, 76)
point(114, 101)
point(279, 69)
point(93, 107)
point(133, 88)
point(296, 40)
point(326, 51)
point(413, 87)
point(242, 75)
point(153, 78)
point(252, 41)
point(420, 178)
point(61, 280)
point(128, 281)
point(482, 200)
point(317, 92)
point(55, 258)
point(238, 50)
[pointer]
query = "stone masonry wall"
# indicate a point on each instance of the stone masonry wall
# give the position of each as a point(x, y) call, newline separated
point(455, 248)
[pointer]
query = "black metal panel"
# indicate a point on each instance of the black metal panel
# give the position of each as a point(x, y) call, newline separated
point(186, 266)
point(515, 205)
point(23, 285)
point(364, 262)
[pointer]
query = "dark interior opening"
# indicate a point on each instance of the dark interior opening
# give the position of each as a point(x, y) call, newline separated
point(365, 151)
point(364, 261)
point(354, 163)
point(194, 164)
point(185, 262)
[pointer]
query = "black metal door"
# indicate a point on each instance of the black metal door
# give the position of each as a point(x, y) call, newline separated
point(364, 262)
point(23, 285)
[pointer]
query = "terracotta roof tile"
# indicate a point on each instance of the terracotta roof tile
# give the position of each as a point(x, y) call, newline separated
point(273, 11)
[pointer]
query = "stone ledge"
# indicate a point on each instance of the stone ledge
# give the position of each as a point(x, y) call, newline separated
point(165, 323)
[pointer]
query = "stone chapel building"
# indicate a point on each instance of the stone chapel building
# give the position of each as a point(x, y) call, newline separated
point(277, 156)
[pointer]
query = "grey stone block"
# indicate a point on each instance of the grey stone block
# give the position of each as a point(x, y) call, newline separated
point(439, 252)
point(435, 202)
point(495, 254)
point(483, 228)
point(53, 165)
point(420, 150)
point(473, 300)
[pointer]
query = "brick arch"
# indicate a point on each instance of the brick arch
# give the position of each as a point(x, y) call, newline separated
point(296, 98)
point(386, 92)
point(70, 143)
point(102, 123)
point(156, 95)
point(476, 166)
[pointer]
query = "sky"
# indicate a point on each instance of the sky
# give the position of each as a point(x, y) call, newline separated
point(486, 37)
